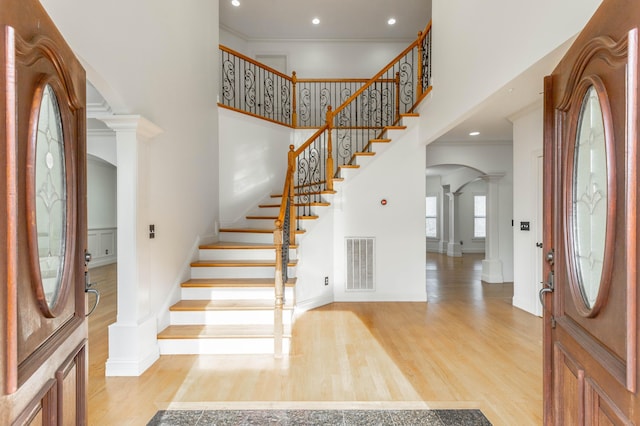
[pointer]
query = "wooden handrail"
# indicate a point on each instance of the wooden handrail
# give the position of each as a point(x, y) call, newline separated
point(253, 61)
point(309, 141)
point(381, 73)
point(241, 111)
point(341, 80)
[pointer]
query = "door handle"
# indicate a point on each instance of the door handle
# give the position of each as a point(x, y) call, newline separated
point(548, 289)
point(88, 284)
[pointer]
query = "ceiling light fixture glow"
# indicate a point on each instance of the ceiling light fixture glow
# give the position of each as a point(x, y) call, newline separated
point(236, 3)
point(474, 133)
point(391, 21)
point(315, 21)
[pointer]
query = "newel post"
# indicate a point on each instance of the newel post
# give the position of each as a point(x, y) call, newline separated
point(329, 168)
point(420, 49)
point(292, 207)
point(294, 103)
point(279, 280)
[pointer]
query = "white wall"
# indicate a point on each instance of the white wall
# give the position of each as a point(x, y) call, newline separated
point(396, 175)
point(478, 47)
point(486, 157)
point(323, 59)
point(158, 59)
point(527, 147)
point(253, 162)
point(101, 194)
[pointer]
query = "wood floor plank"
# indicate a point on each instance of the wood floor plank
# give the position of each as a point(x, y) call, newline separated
point(468, 347)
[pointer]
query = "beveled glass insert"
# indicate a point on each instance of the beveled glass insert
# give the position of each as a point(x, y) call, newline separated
point(589, 201)
point(51, 195)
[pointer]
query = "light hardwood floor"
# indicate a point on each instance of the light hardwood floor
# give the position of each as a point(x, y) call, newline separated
point(466, 348)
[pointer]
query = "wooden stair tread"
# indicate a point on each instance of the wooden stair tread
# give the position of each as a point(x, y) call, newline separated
point(218, 331)
point(234, 282)
point(410, 114)
point(379, 140)
point(231, 263)
point(226, 305)
point(395, 127)
point(349, 166)
point(275, 217)
point(315, 204)
point(297, 194)
point(231, 245)
point(367, 154)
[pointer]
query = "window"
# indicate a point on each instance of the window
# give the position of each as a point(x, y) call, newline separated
point(431, 216)
point(479, 216)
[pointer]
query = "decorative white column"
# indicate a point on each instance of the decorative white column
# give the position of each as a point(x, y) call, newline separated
point(454, 248)
point(492, 264)
point(444, 222)
point(133, 345)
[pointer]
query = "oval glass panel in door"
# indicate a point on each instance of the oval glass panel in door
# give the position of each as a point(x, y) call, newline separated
point(590, 198)
point(50, 196)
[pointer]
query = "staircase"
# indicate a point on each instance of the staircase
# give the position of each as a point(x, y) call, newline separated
point(228, 305)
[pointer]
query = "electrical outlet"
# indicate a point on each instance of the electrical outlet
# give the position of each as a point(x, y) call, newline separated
point(326, 280)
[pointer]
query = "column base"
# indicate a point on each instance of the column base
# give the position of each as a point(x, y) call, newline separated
point(454, 250)
point(132, 348)
point(492, 271)
point(443, 246)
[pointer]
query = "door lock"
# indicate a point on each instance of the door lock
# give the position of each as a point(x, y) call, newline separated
point(88, 284)
point(548, 289)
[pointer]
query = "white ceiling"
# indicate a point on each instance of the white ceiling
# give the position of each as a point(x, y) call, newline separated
point(339, 19)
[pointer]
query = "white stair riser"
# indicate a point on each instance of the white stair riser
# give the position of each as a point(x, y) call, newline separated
point(239, 254)
point(221, 346)
point(205, 293)
point(380, 147)
point(228, 317)
point(261, 223)
point(247, 237)
point(236, 272)
point(364, 160)
point(268, 211)
point(348, 173)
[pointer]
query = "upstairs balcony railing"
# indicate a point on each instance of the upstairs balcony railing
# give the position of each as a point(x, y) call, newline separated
point(252, 88)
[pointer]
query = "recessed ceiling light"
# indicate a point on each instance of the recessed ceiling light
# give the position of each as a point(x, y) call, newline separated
point(391, 21)
point(236, 3)
point(474, 133)
point(315, 21)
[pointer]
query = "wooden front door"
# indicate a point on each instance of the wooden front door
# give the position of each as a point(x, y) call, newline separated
point(43, 329)
point(591, 225)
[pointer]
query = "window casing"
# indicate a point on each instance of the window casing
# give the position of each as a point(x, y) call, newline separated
point(479, 216)
point(431, 216)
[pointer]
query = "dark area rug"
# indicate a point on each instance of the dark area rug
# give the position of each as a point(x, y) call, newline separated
point(319, 417)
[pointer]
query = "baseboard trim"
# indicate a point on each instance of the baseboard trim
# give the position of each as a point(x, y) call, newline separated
point(309, 304)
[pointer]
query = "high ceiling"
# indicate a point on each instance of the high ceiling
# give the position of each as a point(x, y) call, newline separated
point(339, 19)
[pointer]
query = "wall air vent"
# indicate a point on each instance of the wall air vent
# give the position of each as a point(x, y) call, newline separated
point(360, 254)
